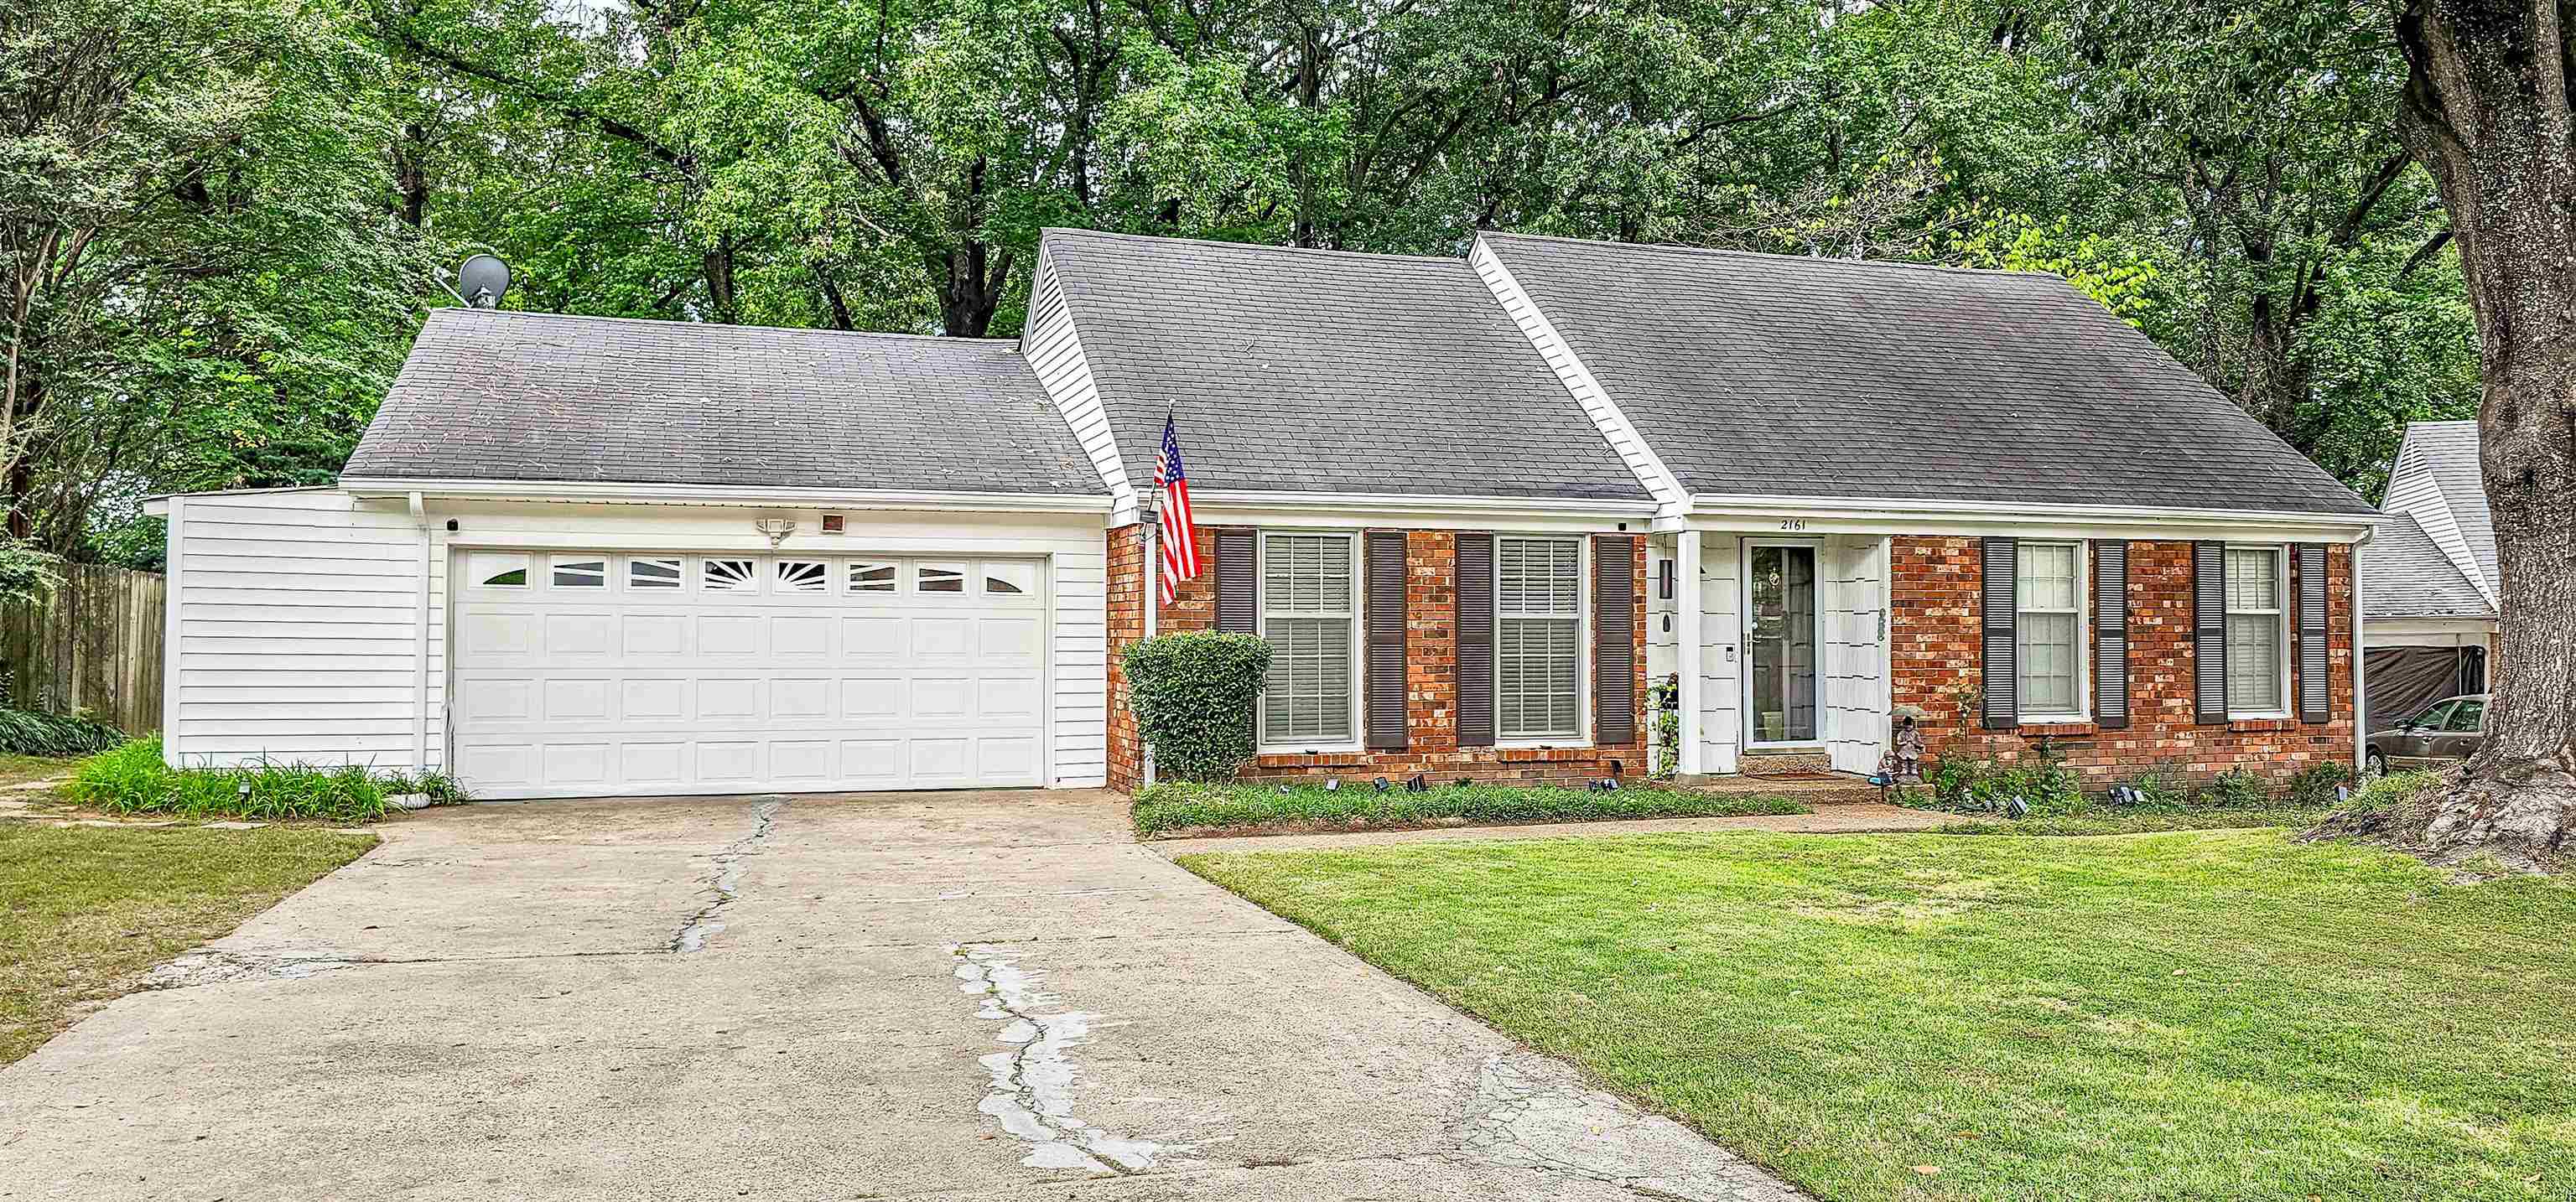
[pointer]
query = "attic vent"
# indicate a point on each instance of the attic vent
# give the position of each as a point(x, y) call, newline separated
point(834, 523)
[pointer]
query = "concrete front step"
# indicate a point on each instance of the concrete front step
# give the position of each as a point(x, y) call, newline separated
point(1836, 788)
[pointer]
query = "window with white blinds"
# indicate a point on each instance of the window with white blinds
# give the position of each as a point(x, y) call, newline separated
point(2048, 630)
point(1308, 618)
point(2257, 632)
point(1538, 638)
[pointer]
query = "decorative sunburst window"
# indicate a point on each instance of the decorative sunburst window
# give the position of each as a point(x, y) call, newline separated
point(803, 576)
point(728, 576)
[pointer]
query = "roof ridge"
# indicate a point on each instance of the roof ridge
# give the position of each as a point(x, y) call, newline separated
point(1732, 252)
point(684, 324)
point(1061, 231)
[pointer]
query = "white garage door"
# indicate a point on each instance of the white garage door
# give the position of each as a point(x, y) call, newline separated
point(581, 674)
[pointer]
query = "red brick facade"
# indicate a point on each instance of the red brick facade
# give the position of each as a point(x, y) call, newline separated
point(1937, 661)
point(1431, 670)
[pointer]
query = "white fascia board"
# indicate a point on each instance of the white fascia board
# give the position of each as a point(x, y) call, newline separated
point(1868, 515)
point(710, 494)
point(1624, 437)
point(1051, 345)
point(2427, 632)
point(156, 507)
point(1217, 507)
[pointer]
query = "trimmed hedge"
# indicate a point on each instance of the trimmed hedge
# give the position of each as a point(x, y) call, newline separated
point(1193, 695)
point(26, 732)
point(1218, 807)
point(132, 780)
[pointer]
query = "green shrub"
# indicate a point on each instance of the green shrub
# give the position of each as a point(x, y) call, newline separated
point(1193, 695)
point(2394, 792)
point(1984, 786)
point(2237, 788)
point(1193, 805)
point(2314, 787)
point(132, 779)
point(25, 732)
point(2158, 791)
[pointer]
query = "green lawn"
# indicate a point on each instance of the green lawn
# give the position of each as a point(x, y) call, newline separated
point(83, 910)
point(2115, 820)
point(21, 769)
point(2190, 1015)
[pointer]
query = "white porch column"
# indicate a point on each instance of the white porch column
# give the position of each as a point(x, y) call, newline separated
point(1686, 658)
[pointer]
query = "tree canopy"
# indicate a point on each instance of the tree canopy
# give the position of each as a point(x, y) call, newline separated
point(253, 203)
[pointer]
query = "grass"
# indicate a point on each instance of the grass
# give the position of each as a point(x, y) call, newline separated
point(84, 910)
point(2210, 1015)
point(132, 779)
point(2097, 817)
point(1168, 808)
point(21, 769)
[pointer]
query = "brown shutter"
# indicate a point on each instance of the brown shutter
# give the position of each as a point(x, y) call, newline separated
point(2315, 699)
point(1475, 630)
point(1238, 565)
point(2001, 704)
point(2111, 635)
point(1614, 640)
point(2209, 632)
point(1385, 676)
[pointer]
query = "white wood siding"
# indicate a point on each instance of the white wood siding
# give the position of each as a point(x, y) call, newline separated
point(1614, 425)
point(297, 632)
point(1721, 666)
point(296, 626)
point(1854, 572)
point(2414, 491)
point(1054, 351)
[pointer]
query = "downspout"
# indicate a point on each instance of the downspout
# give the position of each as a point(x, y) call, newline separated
point(1148, 524)
point(2360, 727)
point(420, 651)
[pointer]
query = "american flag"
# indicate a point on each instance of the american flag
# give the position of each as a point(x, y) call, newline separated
point(1180, 535)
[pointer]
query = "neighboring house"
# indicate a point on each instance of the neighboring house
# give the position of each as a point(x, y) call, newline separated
point(1475, 503)
point(2429, 584)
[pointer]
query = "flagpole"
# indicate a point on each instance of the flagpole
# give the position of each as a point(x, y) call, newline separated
point(1149, 523)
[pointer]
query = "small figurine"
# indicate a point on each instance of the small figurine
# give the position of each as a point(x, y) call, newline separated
point(1909, 751)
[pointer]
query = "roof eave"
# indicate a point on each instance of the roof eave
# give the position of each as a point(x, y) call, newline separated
point(1713, 511)
point(719, 494)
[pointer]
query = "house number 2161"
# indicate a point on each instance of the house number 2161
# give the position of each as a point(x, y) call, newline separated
point(1793, 523)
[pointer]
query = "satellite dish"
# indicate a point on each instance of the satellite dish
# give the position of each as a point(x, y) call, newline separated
point(481, 281)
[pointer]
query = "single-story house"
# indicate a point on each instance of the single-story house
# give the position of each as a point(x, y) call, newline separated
point(1477, 503)
point(2429, 577)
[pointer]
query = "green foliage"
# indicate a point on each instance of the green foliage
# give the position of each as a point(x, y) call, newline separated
point(1663, 700)
point(28, 575)
point(2156, 790)
point(25, 732)
point(1216, 807)
point(2315, 785)
point(2394, 792)
point(132, 779)
point(2237, 788)
point(1986, 786)
point(1193, 694)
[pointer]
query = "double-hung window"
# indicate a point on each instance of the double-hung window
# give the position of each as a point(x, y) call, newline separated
point(1307, 616)
point(1538, 636)
point(2257, 631)
point(2048, 630)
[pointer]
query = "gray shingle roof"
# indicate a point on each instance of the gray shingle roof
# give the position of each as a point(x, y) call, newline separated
point(1324, 371)
point(489, 395)
point(2450, 453)
point(1773, 375)
point(2405, 575)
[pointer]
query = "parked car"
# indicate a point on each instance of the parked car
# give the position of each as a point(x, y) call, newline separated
point(2447, 730)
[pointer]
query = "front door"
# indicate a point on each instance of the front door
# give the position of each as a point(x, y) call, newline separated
point(1780, 644)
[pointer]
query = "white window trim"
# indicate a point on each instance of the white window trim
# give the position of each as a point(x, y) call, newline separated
point(2083, 649)
point(2283, 605)
point(1358, 739)
point(1583, 649)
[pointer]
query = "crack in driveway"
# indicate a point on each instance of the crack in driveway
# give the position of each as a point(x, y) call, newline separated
point(1032, 1092)
point(726, 880)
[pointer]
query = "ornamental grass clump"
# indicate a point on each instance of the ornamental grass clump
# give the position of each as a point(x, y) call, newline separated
point(26, 732)
point(1193, 695)
point(132, 779)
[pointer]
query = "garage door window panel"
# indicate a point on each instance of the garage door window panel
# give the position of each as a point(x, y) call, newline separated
point(729, 576)
point(872, 576)
point(580, 572)
point(496, 569)
point(949, 578)
point(804, 576)
point(659, 573)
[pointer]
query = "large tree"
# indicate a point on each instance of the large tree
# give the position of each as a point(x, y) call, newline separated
point(2486, 111)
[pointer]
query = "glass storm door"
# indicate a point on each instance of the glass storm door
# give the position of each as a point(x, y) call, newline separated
point(1780, 644)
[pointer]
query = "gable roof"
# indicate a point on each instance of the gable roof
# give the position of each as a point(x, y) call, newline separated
point(2444, 456)
point(2405, 575)
point(1772, 375)
point(492, 395)
point(1324, 371)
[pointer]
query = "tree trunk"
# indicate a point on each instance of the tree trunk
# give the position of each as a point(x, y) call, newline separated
point(2486, 112)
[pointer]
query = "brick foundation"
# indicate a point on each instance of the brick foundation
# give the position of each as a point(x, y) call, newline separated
point(1431, 670)
point(1937, 661)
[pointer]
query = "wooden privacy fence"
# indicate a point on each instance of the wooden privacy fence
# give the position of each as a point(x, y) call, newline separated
point(95, 645)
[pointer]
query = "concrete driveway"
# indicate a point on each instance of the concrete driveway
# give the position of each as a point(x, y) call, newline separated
point(962, 995)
